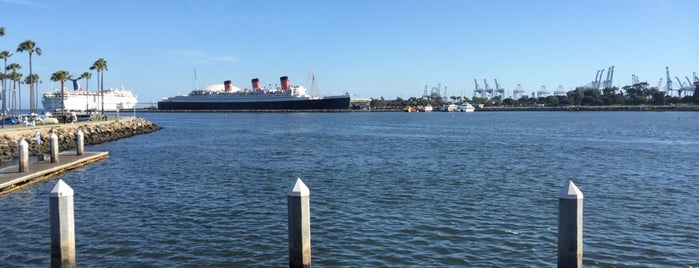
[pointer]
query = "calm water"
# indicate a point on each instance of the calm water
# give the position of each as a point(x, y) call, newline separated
point(387, 189)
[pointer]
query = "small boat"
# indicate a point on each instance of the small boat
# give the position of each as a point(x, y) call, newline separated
point(466, 107)
point(450, 108)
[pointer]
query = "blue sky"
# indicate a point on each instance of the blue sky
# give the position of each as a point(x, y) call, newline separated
point(387, 48)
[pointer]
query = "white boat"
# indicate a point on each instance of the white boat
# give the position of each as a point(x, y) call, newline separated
point(466, 107)
point(450, 108)
point(80, 100)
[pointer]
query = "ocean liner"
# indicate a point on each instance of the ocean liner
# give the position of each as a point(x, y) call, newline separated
point(286, 97)
point(85, 101)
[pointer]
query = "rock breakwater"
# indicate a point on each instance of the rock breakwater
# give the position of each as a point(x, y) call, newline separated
point(94, 133)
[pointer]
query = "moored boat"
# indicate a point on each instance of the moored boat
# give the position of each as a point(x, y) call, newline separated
point(286, 97)
point(84, 101)
point(466, 107)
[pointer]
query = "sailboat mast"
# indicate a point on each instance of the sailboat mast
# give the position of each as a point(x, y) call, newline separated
point(196, 83)
point(314, 86)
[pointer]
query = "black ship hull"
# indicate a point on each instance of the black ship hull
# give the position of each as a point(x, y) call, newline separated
point(334, 103)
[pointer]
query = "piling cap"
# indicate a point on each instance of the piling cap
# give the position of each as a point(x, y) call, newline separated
point(23, 143)
point(80, 132)
point(53, 136)
point(570, 191)
point(61, 189)
point(299, 189)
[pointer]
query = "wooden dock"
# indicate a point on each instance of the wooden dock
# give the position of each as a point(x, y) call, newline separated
point(11, 179)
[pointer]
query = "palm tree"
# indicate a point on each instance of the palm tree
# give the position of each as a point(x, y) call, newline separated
point(13, 67)
point(100, 66)
point(32, 79)
point(61, 76)
point(30, 47)
point(87, 76)
point(4, 55)
point(2, 31)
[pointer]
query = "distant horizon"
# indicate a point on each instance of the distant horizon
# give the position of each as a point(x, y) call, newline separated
point(370, 49)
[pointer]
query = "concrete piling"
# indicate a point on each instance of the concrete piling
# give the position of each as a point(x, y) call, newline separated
point(62, 226)
point(299, 225)
point(39, 151)
point(80, 137)
point(54, 148)
point(570, 224)
point(23, 156)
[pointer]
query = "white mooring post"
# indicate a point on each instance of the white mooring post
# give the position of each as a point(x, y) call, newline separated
point(81, 142)
point(40, 153)
point(23, 156)
point(299, 225)
point(54, 148)
point(570, 226)
point(62, 226)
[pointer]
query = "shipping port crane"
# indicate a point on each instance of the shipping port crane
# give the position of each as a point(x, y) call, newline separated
point(500, 91)
point(668, 81)
point(488, 90)
point(542, 93)
point(478, 89)
point(517, 93)
point(560, 91)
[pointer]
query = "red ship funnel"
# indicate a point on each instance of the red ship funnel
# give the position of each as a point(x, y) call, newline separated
point(285, 82)
point(228, 86)
point(256, 84)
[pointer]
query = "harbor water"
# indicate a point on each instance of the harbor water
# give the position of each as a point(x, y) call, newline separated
point(387, 189)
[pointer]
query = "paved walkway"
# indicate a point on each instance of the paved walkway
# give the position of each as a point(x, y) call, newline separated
point(11, 179)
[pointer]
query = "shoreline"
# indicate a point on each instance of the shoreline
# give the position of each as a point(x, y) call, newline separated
point(95, 132)
point(644, 108)
point(664, 108)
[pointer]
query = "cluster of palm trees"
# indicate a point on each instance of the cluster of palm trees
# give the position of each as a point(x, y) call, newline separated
point(10, 74)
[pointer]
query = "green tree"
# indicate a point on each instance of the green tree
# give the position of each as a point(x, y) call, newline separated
point(576, 96)
point(551, 101)
point(375, 103)
point(30, 47)
point(61, 76)
point(13, 76)
point(4, 55)
point(100, 66)
point(87, 76)
point(508, 102)
point(33, 78)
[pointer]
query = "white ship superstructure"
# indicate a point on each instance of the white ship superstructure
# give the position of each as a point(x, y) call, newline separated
point(79, 100)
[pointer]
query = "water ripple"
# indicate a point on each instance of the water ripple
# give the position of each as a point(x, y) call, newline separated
point(395, 189)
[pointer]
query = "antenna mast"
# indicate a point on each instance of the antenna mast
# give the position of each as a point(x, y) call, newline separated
point(196, 83)
point(314, 85)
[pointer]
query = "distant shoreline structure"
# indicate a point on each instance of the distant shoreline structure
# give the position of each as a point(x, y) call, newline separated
point(665, 108)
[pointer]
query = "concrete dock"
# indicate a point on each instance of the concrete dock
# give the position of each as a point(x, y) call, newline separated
point(11, 179)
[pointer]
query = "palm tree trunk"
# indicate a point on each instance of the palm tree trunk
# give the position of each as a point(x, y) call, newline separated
point(63, 101)
point(102, 90)
point(19, 96)
point(32, 108)
point(4, 90)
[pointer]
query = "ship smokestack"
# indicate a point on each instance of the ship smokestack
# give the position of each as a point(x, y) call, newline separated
point(228, 86)
point(256, 84)
point(285, 82)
